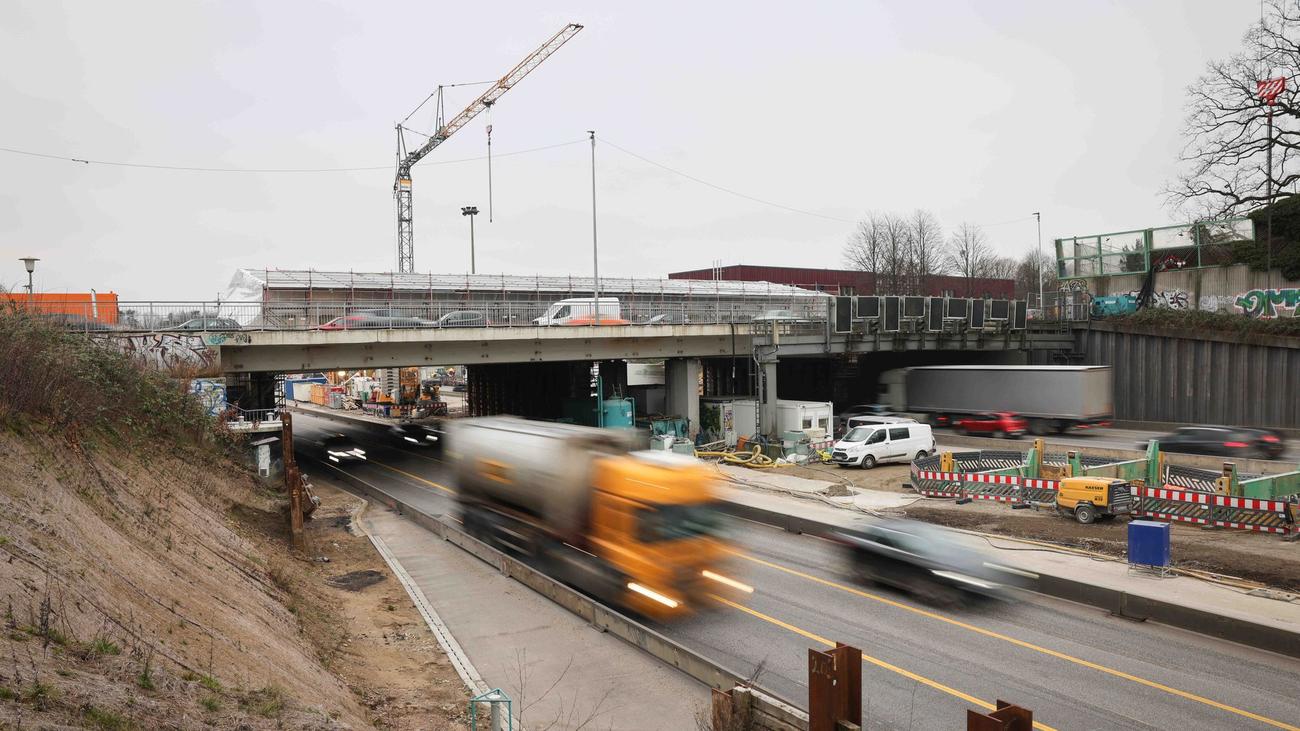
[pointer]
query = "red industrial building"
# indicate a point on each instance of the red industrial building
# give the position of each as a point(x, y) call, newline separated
point(852, 281)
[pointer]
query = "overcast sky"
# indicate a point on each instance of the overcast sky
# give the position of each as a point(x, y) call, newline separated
point(981, 111)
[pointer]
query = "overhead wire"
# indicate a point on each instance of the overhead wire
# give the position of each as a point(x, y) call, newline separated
point(202, 169)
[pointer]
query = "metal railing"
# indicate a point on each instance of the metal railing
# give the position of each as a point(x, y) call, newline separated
point(1057, 306)
point(223, 317)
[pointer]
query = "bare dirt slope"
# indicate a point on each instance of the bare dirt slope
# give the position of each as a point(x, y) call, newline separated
point(154, 589)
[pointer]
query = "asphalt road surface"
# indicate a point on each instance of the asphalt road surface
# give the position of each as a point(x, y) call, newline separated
point(1075, 667)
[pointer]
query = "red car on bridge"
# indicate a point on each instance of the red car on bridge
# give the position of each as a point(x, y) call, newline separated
point(993, 423)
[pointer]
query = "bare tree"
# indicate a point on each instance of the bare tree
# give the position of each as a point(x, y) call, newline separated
point(968, 255)
point(926, 249)
point(999, 267)
point(1028, 270)
point(893, 278)
point(1226, 125)
point(865, 249)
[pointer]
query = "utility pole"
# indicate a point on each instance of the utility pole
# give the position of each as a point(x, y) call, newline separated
point(595, 251)
point(1039, 217)
point(470, 211)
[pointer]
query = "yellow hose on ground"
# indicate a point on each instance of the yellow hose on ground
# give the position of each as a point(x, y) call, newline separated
point(755, 459)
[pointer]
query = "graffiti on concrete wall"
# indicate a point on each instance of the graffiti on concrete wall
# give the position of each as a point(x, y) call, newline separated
point(162, 351)
point(211, 393)
point(1218, 303)
point(1269, 302)
point(1170, 299)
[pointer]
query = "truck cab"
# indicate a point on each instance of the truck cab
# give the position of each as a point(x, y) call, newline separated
point(1089, 499)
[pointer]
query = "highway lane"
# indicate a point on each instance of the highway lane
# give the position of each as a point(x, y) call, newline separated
point(1075, 666)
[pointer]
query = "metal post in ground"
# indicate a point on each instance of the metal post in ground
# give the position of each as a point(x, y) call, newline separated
point(595, 251)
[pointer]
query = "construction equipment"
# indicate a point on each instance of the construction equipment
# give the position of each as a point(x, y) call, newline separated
point(1091, 498)
point(443, 130)
point(639, 530)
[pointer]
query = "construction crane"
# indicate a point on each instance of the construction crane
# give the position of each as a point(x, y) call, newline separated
point(406, 159)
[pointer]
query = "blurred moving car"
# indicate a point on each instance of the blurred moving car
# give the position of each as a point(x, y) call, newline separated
point(1223, 441)
point(842, 419)
point(668, 318)
point(341, 448)
point(369, 321)
point(416, 435)
point(997, 424)
point(777, 316)
point(463, 318)
point(208, 324)
point(925, 561)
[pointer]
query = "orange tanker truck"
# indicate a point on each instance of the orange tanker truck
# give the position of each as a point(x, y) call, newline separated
point(638, 530)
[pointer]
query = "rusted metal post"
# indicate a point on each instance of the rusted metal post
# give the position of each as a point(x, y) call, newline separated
point(834, 688)
point(293, 483)
point(1007, 717)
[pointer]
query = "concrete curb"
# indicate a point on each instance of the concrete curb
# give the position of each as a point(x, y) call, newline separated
point(1115, 601)
point(601, 618)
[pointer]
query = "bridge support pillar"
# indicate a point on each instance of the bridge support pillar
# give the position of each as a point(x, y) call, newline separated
point(767, 396)
point(682, 384)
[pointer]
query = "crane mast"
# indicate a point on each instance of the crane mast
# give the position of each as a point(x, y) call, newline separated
point(402, 185)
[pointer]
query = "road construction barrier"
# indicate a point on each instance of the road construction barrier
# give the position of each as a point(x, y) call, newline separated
point(1170, 502)
point(1225, 511)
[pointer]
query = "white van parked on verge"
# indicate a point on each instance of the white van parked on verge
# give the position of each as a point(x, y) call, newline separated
point(583, 311)
point(868, 445)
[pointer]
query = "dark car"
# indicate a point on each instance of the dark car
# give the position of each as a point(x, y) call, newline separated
point(341, 448)
point(923, 560)
point(208, 324)
point(416, 435)
point(463, 318)
point(1223, 441)
point(992, 423)
point(668, 318)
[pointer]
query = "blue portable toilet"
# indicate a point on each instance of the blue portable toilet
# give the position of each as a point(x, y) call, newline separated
point(1148, 543)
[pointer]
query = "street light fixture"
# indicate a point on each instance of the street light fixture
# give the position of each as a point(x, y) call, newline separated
point(30, 263)
point(470, 211)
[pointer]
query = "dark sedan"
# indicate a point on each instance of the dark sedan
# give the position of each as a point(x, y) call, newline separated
point(366, 321)
point(208, 324)
point(1223, 441)
point(463, 318)
point(924, 561)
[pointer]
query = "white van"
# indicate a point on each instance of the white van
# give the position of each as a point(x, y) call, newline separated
point(582, 311)
point(871, 444)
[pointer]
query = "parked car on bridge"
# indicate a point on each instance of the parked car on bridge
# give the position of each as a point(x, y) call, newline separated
point(1223, 441)
point(923, 560)
point(341, 448)
point(463, 318)
point(208, 324)
point(998, 424)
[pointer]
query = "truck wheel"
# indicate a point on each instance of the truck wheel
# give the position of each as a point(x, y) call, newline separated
point(868, 462)
point(1085, 514)
point(1038, 427)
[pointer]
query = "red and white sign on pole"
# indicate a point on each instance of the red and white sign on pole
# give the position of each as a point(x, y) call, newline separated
point(1269, 89)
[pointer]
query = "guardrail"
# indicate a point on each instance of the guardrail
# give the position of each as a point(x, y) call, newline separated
point(215, 316)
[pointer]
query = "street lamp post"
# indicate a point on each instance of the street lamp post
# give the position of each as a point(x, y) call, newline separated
point(595, 252)
point(470, 211)
point(30, 263)
point(1039, 217)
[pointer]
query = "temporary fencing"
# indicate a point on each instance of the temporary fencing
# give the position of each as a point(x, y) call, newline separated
point(1170, 502)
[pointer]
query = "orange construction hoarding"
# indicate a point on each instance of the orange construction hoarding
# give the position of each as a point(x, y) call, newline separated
point(100, 306)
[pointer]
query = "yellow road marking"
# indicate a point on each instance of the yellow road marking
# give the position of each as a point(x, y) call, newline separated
point(874, 661)
point(1027, 645)
point(417, 478)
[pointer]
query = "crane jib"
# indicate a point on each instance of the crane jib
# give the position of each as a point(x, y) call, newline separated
point(402, 185)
